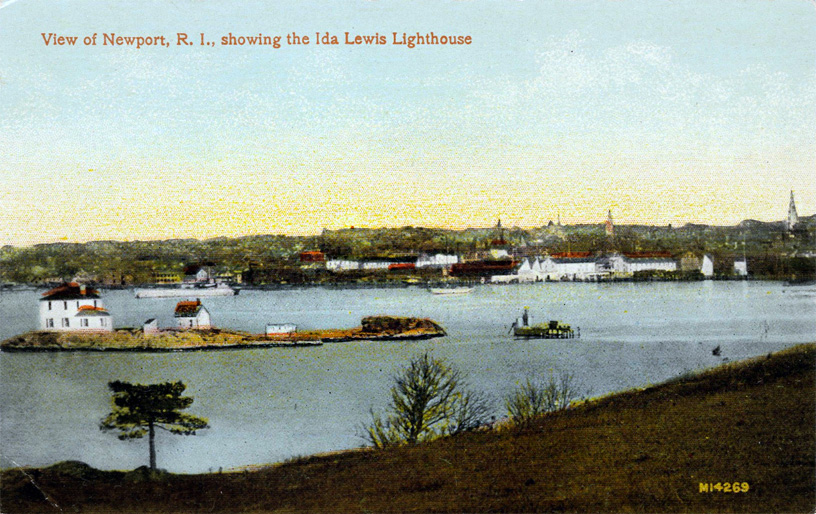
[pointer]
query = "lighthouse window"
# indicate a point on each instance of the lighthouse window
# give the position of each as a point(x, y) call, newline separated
point(66, 322)
point(49, 306)
point(49, 323)
point(83, 322)
point(65, 305)
point(103, 322)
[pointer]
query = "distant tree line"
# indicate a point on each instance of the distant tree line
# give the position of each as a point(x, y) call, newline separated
point(772, 251)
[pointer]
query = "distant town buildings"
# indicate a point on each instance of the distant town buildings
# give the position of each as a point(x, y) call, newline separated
point(75, 307)
point(342, 265)
point(312, 256)
point(438, 260)
point(167, 277)
point(416, 255)
point(196, 274)
point(644, 261)
point(498, 253)
point(741, 267)
point(689, 261)
point(584, 266)
point(499, 240)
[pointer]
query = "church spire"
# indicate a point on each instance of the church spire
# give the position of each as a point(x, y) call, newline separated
point(610, 228)
point(793, 218)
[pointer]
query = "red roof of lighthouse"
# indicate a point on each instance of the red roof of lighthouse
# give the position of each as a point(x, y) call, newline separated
point(70, 291)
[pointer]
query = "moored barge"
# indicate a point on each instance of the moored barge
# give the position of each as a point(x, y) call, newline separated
point(552, 330)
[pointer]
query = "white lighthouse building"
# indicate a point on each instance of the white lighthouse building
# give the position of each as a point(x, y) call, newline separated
point(76, 307)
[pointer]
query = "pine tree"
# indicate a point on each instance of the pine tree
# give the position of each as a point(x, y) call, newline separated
point(140, 409)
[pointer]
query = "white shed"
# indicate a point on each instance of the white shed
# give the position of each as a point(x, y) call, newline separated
point(151, 327)
point(192, 314)
point(273, 329)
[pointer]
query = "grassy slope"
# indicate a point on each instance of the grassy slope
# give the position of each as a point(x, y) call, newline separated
point(640, 451)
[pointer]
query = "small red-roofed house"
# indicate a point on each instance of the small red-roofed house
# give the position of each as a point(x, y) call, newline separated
point(73, 306)
point(192, 314)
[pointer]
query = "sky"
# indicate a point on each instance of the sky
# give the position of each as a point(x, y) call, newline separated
point(663, 112)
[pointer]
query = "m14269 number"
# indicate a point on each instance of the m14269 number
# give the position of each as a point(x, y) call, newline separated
point(724, 487)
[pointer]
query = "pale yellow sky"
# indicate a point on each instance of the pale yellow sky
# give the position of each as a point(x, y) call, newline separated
point(705, 114)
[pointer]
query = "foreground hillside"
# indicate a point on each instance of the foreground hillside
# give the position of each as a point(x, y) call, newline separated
point(749, 423)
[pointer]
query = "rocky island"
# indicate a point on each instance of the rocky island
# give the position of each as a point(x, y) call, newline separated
point(374, 328)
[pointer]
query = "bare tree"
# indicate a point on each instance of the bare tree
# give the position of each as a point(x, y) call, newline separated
point(470, 411)
point(427, 400)
point(534, 397)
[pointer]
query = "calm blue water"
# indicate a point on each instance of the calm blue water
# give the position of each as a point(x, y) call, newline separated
point(267, 405)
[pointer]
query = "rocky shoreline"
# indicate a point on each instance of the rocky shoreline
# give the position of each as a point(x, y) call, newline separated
point(373, 328)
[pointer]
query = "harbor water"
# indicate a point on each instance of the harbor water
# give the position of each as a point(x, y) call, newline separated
point(268, 405)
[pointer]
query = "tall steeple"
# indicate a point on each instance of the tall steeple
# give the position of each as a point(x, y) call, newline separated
point(500, 241)
point(610, 228)
point(793, 218)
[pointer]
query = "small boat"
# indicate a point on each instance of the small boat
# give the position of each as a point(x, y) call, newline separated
point(451, 290)
point(186, 291)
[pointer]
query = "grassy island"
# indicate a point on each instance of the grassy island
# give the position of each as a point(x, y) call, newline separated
point(667, 448)
point(372, 328)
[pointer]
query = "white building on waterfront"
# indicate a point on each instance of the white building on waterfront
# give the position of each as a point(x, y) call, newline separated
point(195, 274)
point(342, 265)
point(575, 268)
point(707, 268)
point(436, 261)
point(74, 307)
point(582, 266)
point(652, 264)
point(374, 264)
point(525, 272)
point(650, 261)
point(741, 267)
point(612, 264)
